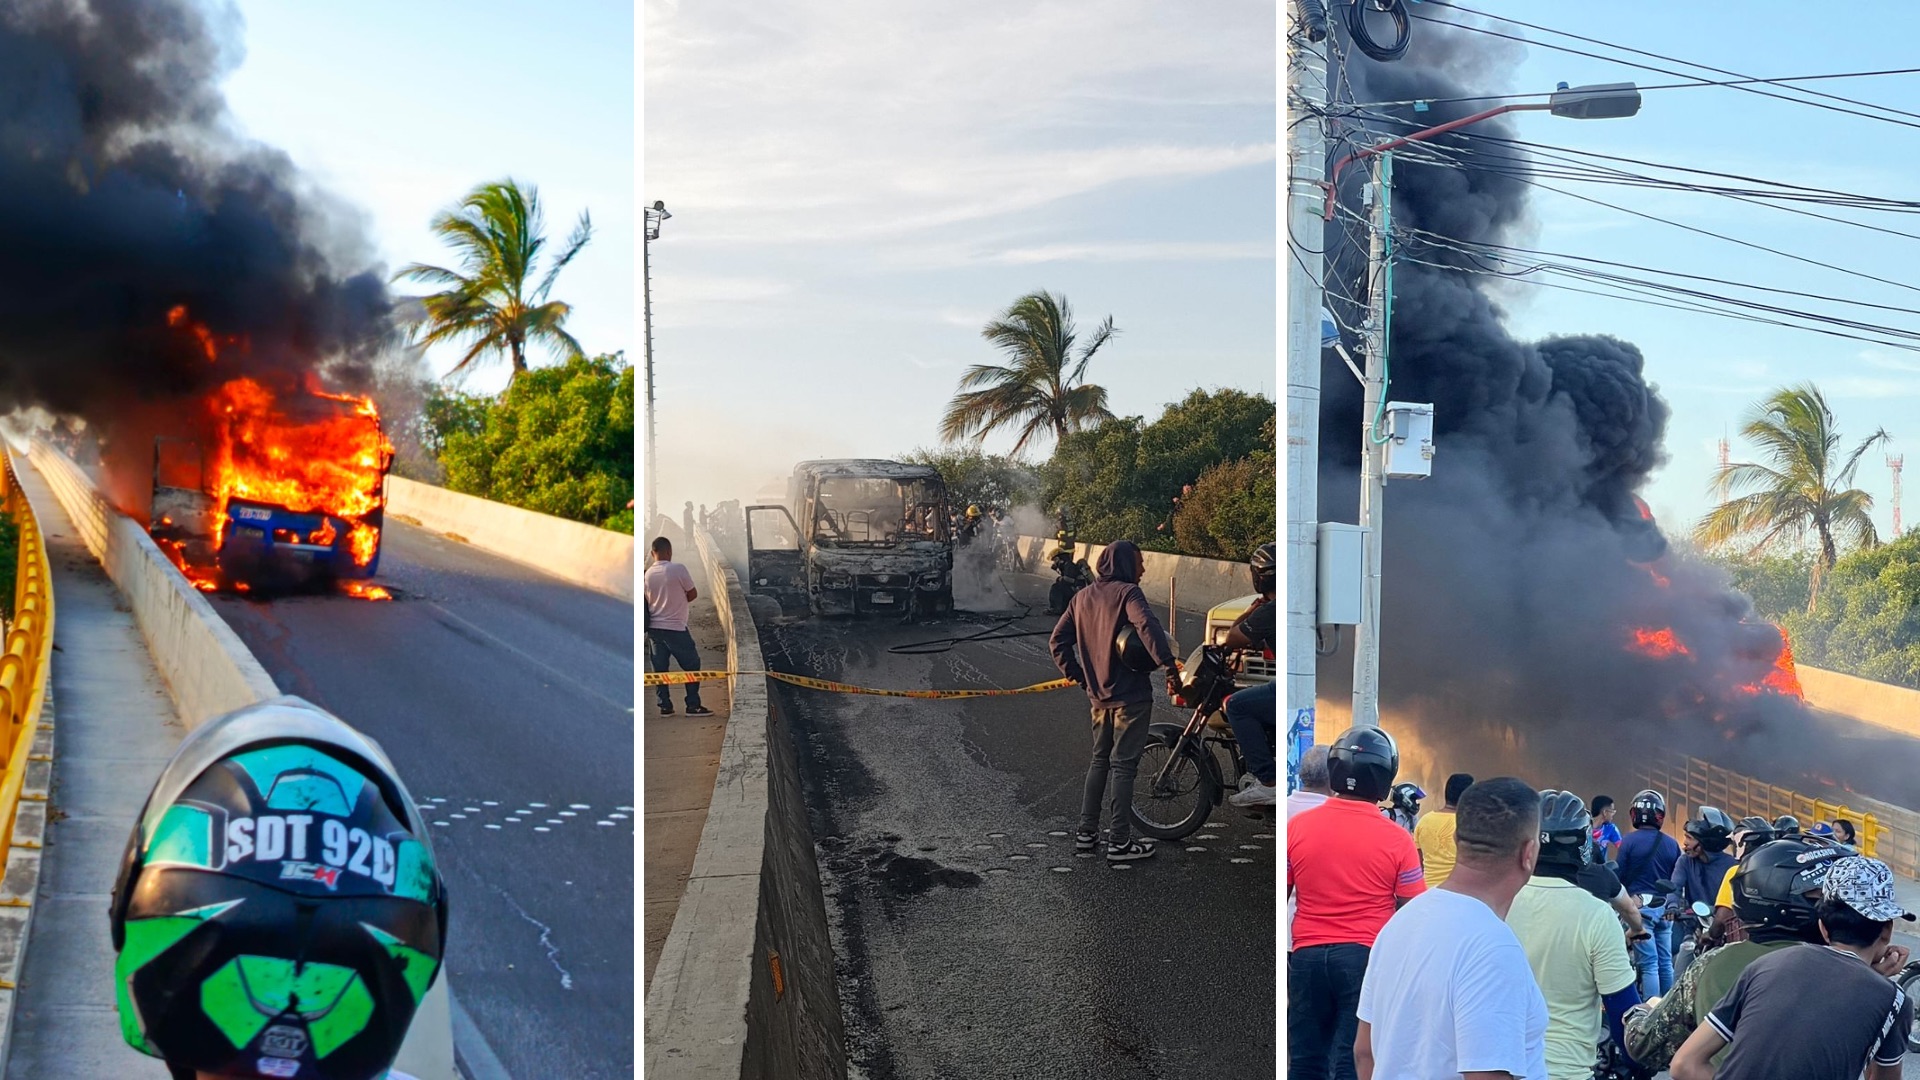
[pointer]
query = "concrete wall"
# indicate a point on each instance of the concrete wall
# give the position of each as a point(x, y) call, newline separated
point(1198, 584)
point(1895, 708)
point(712, 1012)
point(585, 555)
point(208, 672)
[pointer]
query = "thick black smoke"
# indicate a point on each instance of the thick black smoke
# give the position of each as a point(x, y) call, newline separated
point(1516, 575)
point(126, 191)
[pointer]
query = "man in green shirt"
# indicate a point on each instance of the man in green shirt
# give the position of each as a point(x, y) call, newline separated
point(1776, 894)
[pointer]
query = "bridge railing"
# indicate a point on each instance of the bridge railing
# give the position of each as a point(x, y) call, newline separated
point(25, 664)
point(1888, 833)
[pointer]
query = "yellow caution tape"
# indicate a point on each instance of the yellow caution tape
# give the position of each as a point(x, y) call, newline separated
point(680, 678)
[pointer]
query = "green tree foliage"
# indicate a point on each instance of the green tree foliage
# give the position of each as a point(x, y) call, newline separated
point(1778, 584)
point(1802, 492)
point(559, 441)
point(1230, 511)
point(1041, 388)
point(1867, 621)
point(1120, 480)
point(977, 479)
point(491, 303)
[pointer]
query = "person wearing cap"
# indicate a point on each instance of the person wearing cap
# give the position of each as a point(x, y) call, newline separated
point(1865, 1018)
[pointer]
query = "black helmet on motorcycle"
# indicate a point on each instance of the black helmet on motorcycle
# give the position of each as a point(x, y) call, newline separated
point(1786, 826)
point(1775, 879)
point(1362, 763)
point(278, 911)
point(1265, 567)
point(1406, 798)
point(1711, 828)
point(1132, 650)
point(1649, 809)
point(1566, 830)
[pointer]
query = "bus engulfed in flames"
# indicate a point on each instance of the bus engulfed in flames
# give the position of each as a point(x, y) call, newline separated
point(282, 490)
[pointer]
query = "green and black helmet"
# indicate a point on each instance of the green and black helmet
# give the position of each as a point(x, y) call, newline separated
point(278, 912)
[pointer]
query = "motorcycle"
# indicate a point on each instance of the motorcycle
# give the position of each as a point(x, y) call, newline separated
point(1698, 923)
point(1909, 983)
point(1614, 1064)
point(1187, 768)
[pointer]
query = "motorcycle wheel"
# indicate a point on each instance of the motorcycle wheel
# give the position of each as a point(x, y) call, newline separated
point(1175, 808)
point(1909, 982)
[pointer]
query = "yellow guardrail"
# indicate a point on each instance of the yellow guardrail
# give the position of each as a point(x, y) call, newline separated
point(1690, 782)
point(25, 664)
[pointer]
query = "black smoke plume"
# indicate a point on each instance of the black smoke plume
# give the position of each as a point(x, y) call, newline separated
point(127, 190)
point(1516, 575)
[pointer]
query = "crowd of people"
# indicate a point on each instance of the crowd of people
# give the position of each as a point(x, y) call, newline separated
point(1516, 932)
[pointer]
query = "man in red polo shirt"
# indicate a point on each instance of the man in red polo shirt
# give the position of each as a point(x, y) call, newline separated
point(1348, 870)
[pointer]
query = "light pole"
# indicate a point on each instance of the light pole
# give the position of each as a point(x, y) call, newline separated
point(655, 215)
point(1603, 102)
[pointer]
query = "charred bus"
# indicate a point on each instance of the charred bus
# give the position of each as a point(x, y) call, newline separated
point(855, 537)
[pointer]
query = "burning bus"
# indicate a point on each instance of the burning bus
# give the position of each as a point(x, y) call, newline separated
point(278, 489)
point(875, 539)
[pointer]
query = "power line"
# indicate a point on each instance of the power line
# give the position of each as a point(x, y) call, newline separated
point(1694, 83)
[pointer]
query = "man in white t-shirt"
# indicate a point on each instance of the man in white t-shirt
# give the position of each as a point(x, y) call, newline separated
point(669, 589)
point(1448, 992)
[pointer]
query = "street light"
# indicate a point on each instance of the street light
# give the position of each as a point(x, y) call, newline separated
point(654, 216)
point(1605, 101)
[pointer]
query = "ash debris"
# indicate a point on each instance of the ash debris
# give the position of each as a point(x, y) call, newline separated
point(131, 192)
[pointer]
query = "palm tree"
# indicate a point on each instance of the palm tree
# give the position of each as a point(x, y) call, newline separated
point(1039, 388)
point(1803, 491)
point(496, 231)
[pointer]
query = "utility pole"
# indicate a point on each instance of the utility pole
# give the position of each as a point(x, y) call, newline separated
point(655, 214)
point(1366, 636)
point(1306, 168)
point(1895, 463)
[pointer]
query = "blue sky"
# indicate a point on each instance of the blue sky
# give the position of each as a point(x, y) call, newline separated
point(1710, 369)
point(857, 187)
point(400, 109)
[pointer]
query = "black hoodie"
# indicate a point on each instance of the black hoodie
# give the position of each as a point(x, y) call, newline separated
point(1082, 642)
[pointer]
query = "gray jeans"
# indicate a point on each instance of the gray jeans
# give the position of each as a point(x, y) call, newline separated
point(1119, 735)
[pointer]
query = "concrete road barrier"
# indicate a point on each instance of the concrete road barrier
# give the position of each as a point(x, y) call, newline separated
point(1198, 583)
point(745, 986)
point(1884, 705)
point(598, 558)
point(208, 672)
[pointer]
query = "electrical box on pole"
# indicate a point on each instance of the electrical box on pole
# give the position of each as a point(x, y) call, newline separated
point(1409, 446)
point(1341, 578)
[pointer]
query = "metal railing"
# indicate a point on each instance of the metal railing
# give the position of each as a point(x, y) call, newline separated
point(1888, 833)
point(25, 665)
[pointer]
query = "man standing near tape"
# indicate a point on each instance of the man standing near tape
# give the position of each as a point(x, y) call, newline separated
point(1109, 642)
point(670, 592)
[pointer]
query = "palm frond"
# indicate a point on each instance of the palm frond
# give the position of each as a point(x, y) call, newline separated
point(582, 232)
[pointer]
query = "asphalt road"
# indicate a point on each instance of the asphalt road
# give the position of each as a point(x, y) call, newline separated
point(505, 698)
point(972, 941)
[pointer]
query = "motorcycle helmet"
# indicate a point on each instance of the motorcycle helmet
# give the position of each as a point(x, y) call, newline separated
point(1406, 798)
point(1778, 883)
point(1786, 826)
point(1362, 763)
point(1265, 568)
point(1711, 828)
point(278, 911)
point(1566, 836)
point(973, 511)
point(1132, 650)
point(1649, 809)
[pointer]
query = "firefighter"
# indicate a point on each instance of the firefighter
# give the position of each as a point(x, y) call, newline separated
point(969, 526)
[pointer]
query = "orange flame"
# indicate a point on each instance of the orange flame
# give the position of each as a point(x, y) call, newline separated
point(366, 590)
point(1662, 642)
point(177, 318)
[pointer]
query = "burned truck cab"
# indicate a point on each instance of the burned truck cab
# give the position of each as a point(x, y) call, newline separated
point(855, 537)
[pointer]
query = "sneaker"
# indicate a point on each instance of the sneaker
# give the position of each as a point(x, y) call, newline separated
point(666, 710)
point(1129, 851)
point(1085, 841)
point(1257, 794)
point(702, 710)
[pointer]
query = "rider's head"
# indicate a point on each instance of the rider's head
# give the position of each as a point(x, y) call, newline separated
point(1778, 887)
point(278, 911)
point(1786, 825)
point(1313, 771)
point(1711, 828)
point(1649, 810)
point(1265, 567)
point(1566, 832)
point(1457, 785)
point(1362, 763)
point(662, 548)
point(1406, 798)
point(1859, 908)
point(1496, 831)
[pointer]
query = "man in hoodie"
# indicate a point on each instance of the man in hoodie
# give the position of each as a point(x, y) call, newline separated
point(1084, 646)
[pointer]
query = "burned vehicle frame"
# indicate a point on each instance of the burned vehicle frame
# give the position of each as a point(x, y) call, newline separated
point(876, 539)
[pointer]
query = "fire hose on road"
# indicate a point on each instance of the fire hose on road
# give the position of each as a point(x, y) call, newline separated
point(681, 678)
